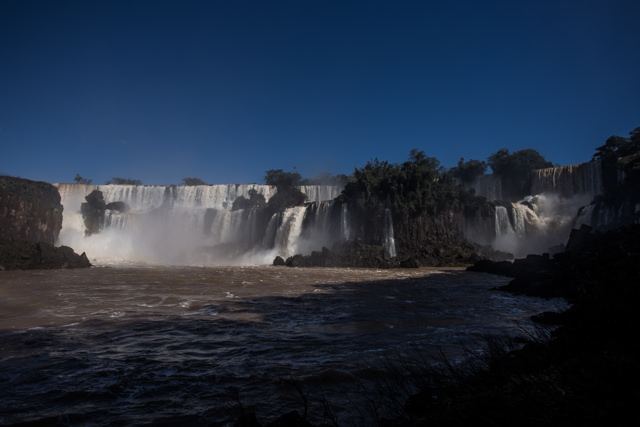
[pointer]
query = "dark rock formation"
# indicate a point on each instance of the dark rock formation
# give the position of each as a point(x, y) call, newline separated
point(255, 200)
point(117, 206)
point(582, 373)
point(30, 221)
point(93, 212)
point(21, 255)
point(29, 211)
point(359, 254)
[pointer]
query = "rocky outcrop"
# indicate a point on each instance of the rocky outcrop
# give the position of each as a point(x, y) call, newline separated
point(30, 221)
point(577, 374)
point(21, 255)
point(93, 212)
point(29, 211)
point(435, 240)
point(358, 254)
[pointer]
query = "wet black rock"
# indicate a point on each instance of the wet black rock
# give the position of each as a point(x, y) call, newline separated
point(93, 212)
point(582, 373)
point(21, 255)
point(117, 206)
point(30, 221)
point(29, 210)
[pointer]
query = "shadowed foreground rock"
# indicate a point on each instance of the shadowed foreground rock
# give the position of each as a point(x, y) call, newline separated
point(29, 210)
point(21, 255)
point(584, 372)
point(359, 254)
point(30, 221)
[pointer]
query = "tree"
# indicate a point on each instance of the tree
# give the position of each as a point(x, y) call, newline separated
point(193, 181)
point(515, 169)
point(80, 180)
point(288, 194)
point(614, 147)
point(468, 171)
point(416, 188)
point(505, 163)
point(623, 153)
point(281, 179)
point(124, 181)
point(619, 146)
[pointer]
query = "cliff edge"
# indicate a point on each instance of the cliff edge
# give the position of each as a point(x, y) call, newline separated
point(30, 221)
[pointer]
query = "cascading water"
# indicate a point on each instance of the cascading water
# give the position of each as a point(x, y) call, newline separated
point(289, 231)
point(569, 181)
point(188, 224)
point(345, 229)
point(389, 241)
point(543, 221)
point(502, 223)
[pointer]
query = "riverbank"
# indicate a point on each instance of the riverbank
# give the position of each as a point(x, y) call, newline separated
point(578, 368)
point(585, 372)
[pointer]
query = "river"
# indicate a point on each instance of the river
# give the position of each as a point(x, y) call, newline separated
point(141, 345)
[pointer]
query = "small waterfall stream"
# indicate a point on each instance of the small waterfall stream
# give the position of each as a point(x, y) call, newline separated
point(389, 241)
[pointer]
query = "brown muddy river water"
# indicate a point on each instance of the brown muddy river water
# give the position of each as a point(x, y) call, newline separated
point(132, 345)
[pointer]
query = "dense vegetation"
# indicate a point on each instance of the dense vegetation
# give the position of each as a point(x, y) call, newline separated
point(515, 170)
point(81, 180)
point(468, 171)
point(193, 181)
point(624, 153)
point(414, 187)
point(288, 194)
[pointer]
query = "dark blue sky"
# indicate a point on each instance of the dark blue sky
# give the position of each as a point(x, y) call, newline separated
point(225, 90)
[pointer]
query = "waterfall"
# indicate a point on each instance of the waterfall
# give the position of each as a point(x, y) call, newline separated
point(535, 224)
point(345, 228)
point(319, 193)
point(568, 181)
point(389, 242)
point(289, 231)
point(502, 223)
point(188, 224)
point(543, 219)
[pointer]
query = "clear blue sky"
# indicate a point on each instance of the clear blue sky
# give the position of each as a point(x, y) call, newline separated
point(225, 90)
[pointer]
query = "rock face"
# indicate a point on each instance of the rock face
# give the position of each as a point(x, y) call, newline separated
point(30, 220)
point(93, 212)
point(434, 240)
point(29, 210)
point(21, 255)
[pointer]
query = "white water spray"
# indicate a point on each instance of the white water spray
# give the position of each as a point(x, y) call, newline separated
point(184, 224)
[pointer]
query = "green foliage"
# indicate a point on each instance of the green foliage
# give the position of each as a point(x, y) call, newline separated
point(515, 169)
point(81, 180)
point(624, 153)
point(288, 194)
point(193, 181)
point(281, 179)
point(414, 187)
point(468, 171)
point(124, 181)
point(619, 146)
point(505, 163)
